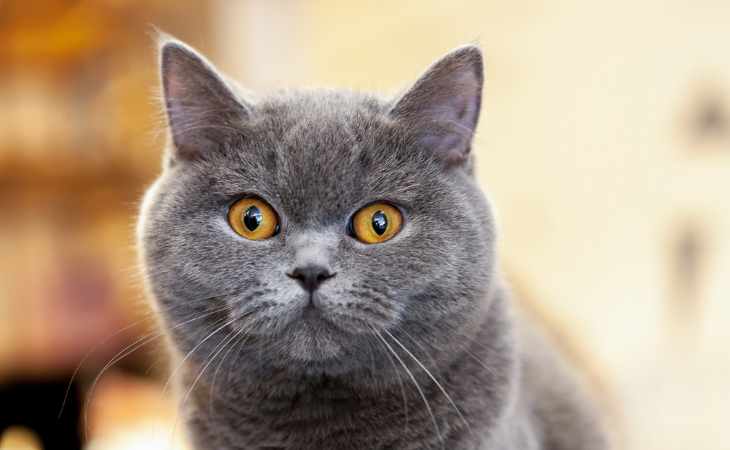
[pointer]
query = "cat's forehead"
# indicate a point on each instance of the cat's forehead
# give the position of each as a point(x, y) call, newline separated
point(321, 151)
point(320, 129)
point(322, 116)
point(320, 100)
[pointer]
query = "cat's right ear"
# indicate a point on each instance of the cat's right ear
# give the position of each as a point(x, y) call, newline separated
point(201, 107)
point(442, 107)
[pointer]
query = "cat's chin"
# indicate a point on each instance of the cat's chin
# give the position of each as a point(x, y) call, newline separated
point(311, 340)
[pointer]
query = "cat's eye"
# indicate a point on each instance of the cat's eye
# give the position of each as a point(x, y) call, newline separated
point(376, 223)
point(253, 219)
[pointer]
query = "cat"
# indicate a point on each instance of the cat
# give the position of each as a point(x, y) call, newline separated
point(323, 261)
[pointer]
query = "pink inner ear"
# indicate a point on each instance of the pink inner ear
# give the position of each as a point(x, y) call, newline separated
point(200, 106)
point(443, 105)
point(185, 133)
point(449, 122)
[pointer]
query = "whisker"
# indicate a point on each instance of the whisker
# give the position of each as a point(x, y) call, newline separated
point(402, 388)
point(238, 351)
point(470, 354)
point(136, 345)
point(126, 351)
point(513, 396)
point(241, 337)
point(157, 409)
point(222, 345)
point(159, 401)
point(438, 433)
point(68, 389)
point(183, 341)
point(372, 357)
point(428, 355)
point(434, 380)
point(490, 350)
point(228, 323)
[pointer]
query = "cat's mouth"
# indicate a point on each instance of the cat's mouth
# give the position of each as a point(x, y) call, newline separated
point(319, 319)
point(270, 319)
point(310, 312)
point(309, 328)
point(331, 316)
point(312, 333)
point(311, 306)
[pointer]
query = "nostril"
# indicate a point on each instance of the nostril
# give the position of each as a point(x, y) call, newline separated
point(310, 276)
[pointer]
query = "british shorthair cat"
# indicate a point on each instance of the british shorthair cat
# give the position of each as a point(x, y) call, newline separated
point(324, 261)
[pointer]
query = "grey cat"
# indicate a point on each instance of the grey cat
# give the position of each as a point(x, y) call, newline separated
point(324, 263)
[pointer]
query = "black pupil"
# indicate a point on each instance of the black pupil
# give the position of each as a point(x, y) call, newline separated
point(252, 218)
point(380, 222)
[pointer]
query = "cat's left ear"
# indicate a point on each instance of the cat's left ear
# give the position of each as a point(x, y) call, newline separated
point(443, 105)
point(201, 107)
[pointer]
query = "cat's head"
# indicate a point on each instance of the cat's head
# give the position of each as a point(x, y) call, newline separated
point(307, 221)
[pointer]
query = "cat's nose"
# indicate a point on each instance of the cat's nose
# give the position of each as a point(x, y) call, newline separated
point(310, 277)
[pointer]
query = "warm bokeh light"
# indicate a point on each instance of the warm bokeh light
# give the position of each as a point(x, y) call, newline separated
point(17, 437)
point(604, 144)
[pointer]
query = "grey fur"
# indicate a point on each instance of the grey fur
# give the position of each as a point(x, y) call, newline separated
point(415, 346)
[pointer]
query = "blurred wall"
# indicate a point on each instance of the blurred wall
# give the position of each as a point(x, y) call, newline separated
point(77, 147)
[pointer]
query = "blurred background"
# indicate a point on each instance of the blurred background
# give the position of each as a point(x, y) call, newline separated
point(604, 144)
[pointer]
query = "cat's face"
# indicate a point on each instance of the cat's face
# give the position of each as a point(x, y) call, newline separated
point(313, 290)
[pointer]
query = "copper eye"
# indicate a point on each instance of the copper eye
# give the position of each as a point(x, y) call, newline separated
point(253, 219)
point(376, 223)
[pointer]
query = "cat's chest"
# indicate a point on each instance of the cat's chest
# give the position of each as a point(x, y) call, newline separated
point(323, 416)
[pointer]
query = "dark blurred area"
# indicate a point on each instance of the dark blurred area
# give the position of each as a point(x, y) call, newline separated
point(78, 144)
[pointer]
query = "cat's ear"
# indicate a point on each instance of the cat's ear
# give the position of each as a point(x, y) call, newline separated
point(201, 107)
point(443, 105)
